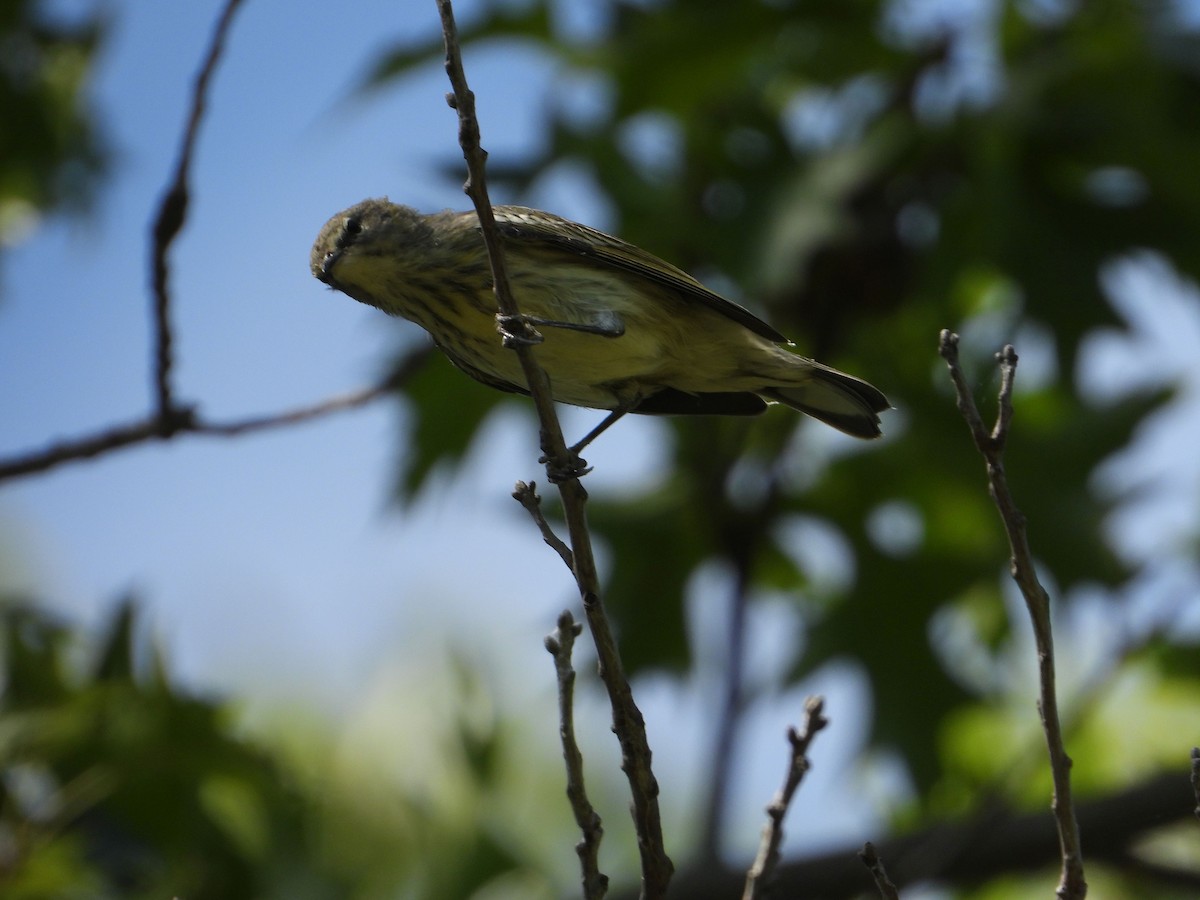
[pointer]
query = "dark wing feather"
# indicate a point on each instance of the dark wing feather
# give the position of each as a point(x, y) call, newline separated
point(522, 224)
point(670, 402)
point(666, 402)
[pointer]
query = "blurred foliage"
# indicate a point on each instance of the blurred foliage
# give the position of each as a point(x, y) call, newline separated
point(115, 784)
point(50, 149)
point(863, 174)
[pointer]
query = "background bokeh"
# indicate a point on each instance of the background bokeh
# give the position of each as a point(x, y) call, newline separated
point(359, 597)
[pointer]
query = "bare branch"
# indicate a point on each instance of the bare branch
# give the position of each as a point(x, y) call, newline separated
point(184, 422)
point(628, 724)
point(526, 494)
point(764, 865)
point(87, 447)
point(171, 215)
point(559, 644)
point(874, 865)
point(1072, 884)
point(404, 369)
point(295, 416)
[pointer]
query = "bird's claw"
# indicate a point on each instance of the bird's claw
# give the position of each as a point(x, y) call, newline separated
point(517, 331)
point(576, 467)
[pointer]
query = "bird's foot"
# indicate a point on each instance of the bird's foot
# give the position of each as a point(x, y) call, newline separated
point(558, 472)
point(517, 331)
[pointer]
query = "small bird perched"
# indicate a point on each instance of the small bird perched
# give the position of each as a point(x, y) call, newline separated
point(623, 330)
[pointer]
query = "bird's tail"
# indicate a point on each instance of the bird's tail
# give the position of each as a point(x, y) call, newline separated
point(847, 403)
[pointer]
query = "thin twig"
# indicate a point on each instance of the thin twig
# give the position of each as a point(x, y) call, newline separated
point(87, 447)
point(404, 369)
point(151, 427)
point(559, 643)
point(295, 416)
point(874, 865)
point(526, 494)
point(628, 724)
point(763, 868)
point(1072, 884)
point(169, 221)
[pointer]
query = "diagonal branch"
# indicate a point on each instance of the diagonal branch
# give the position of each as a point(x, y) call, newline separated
point(763, 869)
point(87, 447)
point(1072, 884)
point(628, 723)
point(297, 416)
point(150, 428)
point(526, 494)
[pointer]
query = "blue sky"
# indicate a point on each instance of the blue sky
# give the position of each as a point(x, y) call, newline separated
point(272, 566)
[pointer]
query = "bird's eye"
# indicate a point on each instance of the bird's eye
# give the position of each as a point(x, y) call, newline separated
point(351, 229)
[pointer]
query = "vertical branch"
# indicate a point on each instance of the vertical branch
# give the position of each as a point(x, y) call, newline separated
point(628, 723)
point(559, 644)
point(1072, 884)
point(172, 213)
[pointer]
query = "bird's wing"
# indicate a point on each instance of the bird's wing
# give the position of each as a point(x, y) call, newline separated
point(521, 224)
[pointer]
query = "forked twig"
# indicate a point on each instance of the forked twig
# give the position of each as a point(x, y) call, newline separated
point(1072, 884)
point(759, 876)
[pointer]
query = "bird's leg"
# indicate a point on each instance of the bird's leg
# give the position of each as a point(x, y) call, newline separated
point(517, 331)
point(577, 466)
point(604, 425)
point(520, 329)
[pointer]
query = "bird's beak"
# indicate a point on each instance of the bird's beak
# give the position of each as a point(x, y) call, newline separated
point(325, 274)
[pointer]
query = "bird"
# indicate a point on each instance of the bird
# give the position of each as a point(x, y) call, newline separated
point(621, 329)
